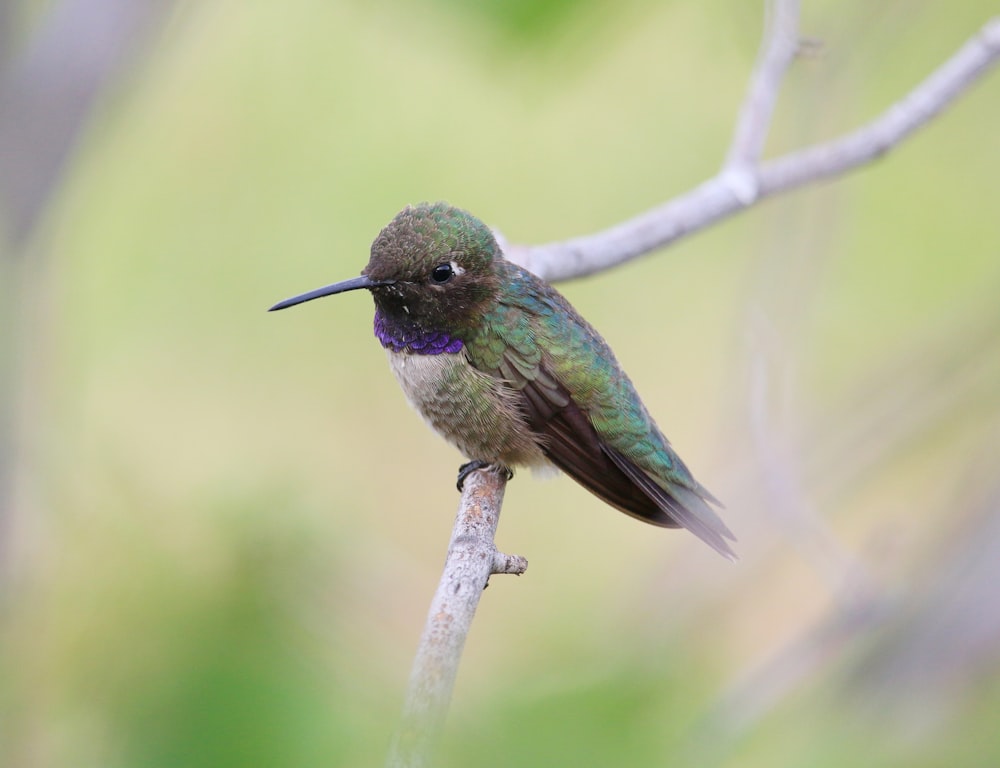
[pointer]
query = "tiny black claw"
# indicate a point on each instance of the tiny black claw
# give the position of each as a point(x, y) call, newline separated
point(472, 466)
point(467, 469)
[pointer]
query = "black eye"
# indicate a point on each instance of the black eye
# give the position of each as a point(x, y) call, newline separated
point(442, 273)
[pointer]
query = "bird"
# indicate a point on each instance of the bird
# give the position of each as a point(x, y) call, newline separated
point(501, 365)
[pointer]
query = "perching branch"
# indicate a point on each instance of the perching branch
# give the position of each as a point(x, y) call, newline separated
point(472, 559)
point(742, 182)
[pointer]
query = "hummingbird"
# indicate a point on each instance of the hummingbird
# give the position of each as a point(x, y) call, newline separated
point(504, 368)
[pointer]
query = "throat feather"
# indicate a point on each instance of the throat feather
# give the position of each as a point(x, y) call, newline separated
point(402, 335)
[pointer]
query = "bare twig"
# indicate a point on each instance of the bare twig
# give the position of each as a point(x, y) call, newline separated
point(729, 193)
point(472, 558)
point(754, 121)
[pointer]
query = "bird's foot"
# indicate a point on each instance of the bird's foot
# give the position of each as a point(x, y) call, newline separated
point(476, 464)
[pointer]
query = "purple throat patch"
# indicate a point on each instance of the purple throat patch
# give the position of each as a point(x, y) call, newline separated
point(408, 338)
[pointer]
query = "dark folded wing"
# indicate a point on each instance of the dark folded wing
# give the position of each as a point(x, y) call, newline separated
point(602, 437)
point(571, 442)
point(681, 505)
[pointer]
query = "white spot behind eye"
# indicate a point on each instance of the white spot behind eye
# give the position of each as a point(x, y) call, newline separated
point(456, 269)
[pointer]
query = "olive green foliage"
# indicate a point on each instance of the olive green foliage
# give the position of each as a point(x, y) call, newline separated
point(227, 525)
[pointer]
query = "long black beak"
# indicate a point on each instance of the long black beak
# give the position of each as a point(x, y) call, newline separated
point(347, 285)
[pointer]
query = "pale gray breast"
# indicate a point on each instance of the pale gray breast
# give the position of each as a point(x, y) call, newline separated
point(474, 411)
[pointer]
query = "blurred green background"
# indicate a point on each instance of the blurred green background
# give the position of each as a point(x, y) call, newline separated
point(222, 528)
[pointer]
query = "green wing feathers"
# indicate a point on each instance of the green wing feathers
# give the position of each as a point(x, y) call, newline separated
point(594, 426)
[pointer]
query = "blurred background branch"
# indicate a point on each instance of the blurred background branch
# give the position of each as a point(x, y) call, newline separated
point(50, 88)
point(75, 52)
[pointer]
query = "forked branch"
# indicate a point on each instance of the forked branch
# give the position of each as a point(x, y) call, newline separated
point(742, 182)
